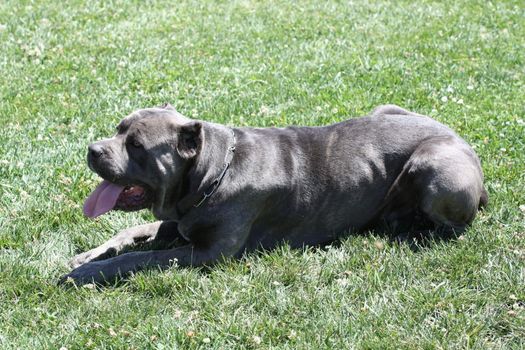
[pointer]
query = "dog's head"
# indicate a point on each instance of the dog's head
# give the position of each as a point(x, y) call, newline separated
point(143, 162)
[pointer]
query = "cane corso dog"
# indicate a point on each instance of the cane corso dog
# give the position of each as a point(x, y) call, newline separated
point(224, 191)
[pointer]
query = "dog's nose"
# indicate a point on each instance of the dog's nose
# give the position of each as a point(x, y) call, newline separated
point(95, 150)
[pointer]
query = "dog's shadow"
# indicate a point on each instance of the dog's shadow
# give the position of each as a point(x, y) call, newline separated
point(415, 234)
point(418, 239)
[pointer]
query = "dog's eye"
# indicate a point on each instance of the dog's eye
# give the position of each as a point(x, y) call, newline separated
point(135, 143)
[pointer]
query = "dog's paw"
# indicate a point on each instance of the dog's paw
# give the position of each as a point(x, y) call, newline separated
point(99, 253)
point(80, 259)
point(97, 272)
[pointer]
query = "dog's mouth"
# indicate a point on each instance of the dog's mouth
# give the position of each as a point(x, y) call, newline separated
point(109, 196)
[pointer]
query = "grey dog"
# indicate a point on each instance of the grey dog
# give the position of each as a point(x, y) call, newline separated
point(225, 191)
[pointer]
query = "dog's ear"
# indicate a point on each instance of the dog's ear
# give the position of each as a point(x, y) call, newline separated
point(167, 106)
point(190, 138)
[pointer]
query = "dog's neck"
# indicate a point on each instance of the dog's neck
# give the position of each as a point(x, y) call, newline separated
point(204, 177)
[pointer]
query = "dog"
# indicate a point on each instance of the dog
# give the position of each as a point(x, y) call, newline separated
point(225, 191)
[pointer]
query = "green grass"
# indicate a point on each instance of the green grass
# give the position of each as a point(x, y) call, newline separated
point(70, 70)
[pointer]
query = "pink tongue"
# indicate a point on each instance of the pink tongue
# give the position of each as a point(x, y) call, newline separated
point(102, 200)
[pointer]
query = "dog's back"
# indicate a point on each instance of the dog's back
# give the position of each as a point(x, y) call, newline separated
point(315, 183)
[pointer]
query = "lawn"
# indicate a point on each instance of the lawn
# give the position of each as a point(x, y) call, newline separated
point(71, 70)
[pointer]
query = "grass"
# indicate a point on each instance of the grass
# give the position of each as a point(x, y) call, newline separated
point(71, 70)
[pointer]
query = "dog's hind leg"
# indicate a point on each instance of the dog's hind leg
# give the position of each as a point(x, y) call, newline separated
point(157, 235)
point(442, 180)
point(390, 109)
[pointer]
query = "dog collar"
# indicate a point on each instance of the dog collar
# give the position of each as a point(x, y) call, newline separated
point(216, 183)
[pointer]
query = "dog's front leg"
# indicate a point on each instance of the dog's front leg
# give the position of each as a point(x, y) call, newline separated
point(109, 270)
point(160, 233)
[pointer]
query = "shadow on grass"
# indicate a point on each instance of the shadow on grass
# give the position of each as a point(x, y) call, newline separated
point(417, 233)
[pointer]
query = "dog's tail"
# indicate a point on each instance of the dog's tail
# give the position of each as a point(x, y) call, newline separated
point(484, 199)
